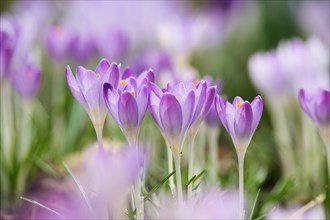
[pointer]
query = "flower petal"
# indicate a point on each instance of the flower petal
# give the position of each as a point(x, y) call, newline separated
point(322, 107)
point(74, 88)
point(188, 109)
point(142, 102)
point(243, 121)
point(237, 100)
point(102, 67)
point(111, 100)
point(171, 114)
point(114, 75)
point(154, 102)
point(257, 108)
point(128, 111)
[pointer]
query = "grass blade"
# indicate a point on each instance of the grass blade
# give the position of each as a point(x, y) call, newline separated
point(158, 186)
point(254, 204)
point(42, 206)
point(80, 187)
point(189, 181)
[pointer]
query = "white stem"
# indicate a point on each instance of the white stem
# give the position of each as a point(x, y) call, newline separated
point(99, 138)
point(170, 170)
point(240, 156)
point(213, 134)
point(325, 135)
point(177, 161)
point(191, 162)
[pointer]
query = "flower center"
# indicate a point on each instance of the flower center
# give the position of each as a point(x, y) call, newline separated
point(123, 82)
point(98, 75)
point(239, 104)
point(132, 93)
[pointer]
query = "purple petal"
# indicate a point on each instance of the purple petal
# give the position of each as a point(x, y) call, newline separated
point(111, 100)
point(237, 100)
point(257, 108)
point(322, 107)
point(85, 78)
point(171, 114)
point(142, 102)
point(114, 75)
point(74, 88)
point(243, 121)
point(102, 67)
point(156, 89)
point(200, 100)
point(188, 109)
point(128, 72)
point(211, 91)
point(154, 102)
point(220, 108)
point(128, 110)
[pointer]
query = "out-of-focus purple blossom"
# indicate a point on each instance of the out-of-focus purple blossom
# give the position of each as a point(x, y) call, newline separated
point(240, 119)
point(59, 42)
point(87, 88)
point(315, 18)
point(106, 180)
point(294, 212)
point(26, 80)
point(8, 41)
point(294, 64)
point(213, 204)
point(127, 102)
point(317, 106)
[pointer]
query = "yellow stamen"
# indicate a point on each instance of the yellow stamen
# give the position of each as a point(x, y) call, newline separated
point(197, 81)
point(98, 75)
point(132, 93)
point(177, 97)
point(239, 104)
point(123, 82)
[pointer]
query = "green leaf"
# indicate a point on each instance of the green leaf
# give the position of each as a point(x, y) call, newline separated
point(254, 204)
point(158, 186)
point(194, 178)
point(131, 214)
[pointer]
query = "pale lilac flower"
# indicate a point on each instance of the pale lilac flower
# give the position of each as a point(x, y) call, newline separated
point(212, 204)
point(294, 64)
point(26, 80)
point(240, 119)
point(127, 102)
point(316, 105)
point(87, 88)
point(296, 213)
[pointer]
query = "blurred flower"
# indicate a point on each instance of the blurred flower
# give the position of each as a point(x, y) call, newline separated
point(211, 204)
point(8, 40)
point(316, 106)
point(240, 119)
point(87, 88)
point(26, 80)
point(315, 18)
point(59, 42)
point(294, 64)
point(128, 103)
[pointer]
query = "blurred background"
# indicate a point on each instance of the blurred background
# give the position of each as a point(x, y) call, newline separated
point(229, 40)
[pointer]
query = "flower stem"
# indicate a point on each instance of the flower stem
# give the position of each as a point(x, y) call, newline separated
point(240, 156)
point(177, 161)
point(191, 160)
point(325, 135)
point(170, 170)
point(99, 139)
point(213, 134)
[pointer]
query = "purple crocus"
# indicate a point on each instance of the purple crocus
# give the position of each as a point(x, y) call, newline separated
point(26, 80)
point(127, 102)
point(316, 106)
point(87, 88)
point(240, 119)
point(59, 41)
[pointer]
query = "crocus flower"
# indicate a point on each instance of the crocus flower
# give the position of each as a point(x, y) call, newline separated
point(316, 106)
point(87, 88)
point(26, 80)
point(127, 102)
point(240, 119)
point(59, 41)
point(8, 40)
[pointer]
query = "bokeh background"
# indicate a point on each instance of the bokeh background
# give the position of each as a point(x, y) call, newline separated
point(180, 41)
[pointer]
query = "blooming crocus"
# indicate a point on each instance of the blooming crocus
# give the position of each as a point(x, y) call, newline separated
point(128, 103)
point(317, 106)
point(26, 80)
point(87, 88)
point(240, 119)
